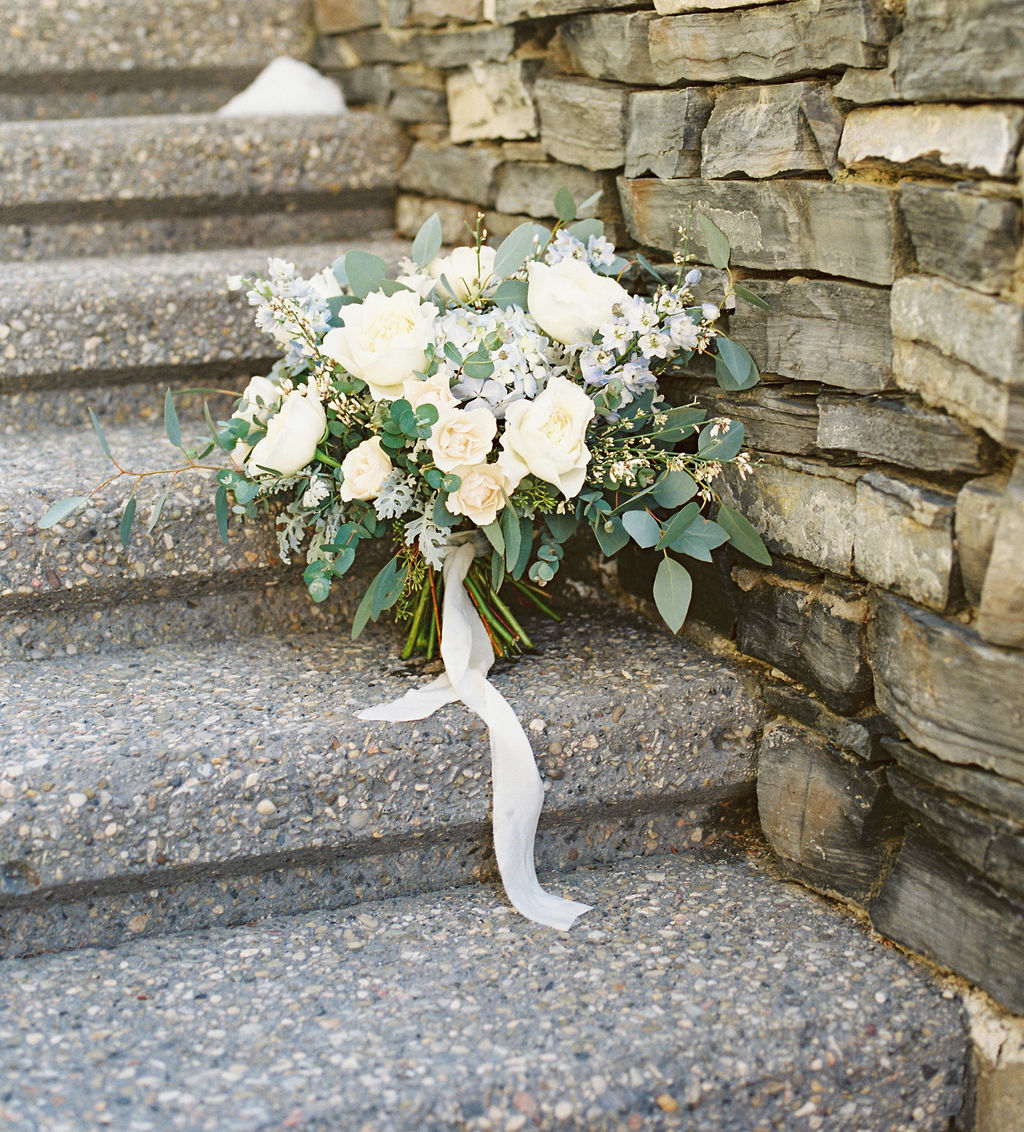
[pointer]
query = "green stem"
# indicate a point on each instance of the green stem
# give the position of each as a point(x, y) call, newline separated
point(414, 632)
point(509, 616)
point(488, 614)
point(531, 593)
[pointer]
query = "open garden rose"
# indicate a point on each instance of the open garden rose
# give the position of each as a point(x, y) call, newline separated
point(462, 437)
point(364, 469)
point(384, 340)
point(481, 494)
point(293, 433)
point(569, 301)
point(436, 391)
point(545, 437)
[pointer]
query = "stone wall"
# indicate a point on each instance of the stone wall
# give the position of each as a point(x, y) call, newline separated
point(862, 157)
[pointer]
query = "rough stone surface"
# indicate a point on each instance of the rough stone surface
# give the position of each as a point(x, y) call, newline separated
point(963, 352)
point(961, 49)
point(251, 752)
point(432, 13)
point(696, 992)
point(583, 122)
point(760, 132)
point(339, 16)
point(665, 128)
point(828, 816)
point(812, 631)
point(148, 316)
point(868, 86)
point(941, 909)
point(1001, 612)
point(107, 37)
point(977, 513)
point(677, 7)
point(775, 418)
point(962, 235)
point(898, 430)
point(768, 43)
point(411, 211)
point(529, 188)
point(825, 117)
point(609, 45)
point(802, 508)
point(863, 734)
point(949, 691)
point(787, 225)
point(492, 100)
point(904, 537)
point(971, 139)
point(440, 170)
point(512, 11)
point(75, 169)
point(819, 330)
point(456, 47)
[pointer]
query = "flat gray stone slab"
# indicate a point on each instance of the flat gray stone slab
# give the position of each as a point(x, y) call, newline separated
point(116, 769)
point(180, 162)
point(81, 323)
point(44, 37)
point(700, 993)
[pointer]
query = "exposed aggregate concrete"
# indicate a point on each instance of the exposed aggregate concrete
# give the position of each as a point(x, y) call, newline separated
point(699, 994)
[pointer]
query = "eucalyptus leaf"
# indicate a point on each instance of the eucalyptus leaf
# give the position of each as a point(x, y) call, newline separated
point(525, 548)
point(742, 535)
point(171, 424)
point(699, 539)
point(585, 230)
point(740, 372)
point(318, 580)
point(154, 517)
point(589, 203)
point(674, 489)
point(613, 540)
point(428, 241)
point(442, 516)
point(511, 293)
point(497, 570)
point(565, 206)
point(61, 510)
point(512, 533)
point(494, 536)
point(677, 524)
point(750, 297)
point(365, 271)
point(221, 510)
point(723, 446)
point(517, 246)
point(391, 583)
point(99, 432)
point(716, 241)
point(127, 518)
point(561, 526)
point(642, 527)
point(673, 588)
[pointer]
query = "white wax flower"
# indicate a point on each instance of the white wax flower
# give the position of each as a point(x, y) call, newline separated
point(545, 437)
point(481, 494)
point(436, 391)
point(468, 276)
point(293, 433)
point(462, 437)
point(569, 302)
point(384, 340)
point(365, 469)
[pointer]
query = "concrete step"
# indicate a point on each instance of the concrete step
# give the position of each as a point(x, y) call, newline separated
point(148, 184)
point(213, 781)
point(700, 993)
point(101, 57)
point(113, 332)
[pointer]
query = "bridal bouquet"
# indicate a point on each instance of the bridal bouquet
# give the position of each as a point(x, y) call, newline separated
point(476, 411)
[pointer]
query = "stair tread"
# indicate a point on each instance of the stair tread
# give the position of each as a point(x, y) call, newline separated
point(699, 993)
point(122, 161)
point(47, 37)
point(124, 763)
point(119, 315)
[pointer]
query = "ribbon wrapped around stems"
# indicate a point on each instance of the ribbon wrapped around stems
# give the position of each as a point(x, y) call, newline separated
point(518, 794)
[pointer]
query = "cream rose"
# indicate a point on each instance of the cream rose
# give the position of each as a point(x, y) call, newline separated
point(569, 301)
point(384, 340)
point(467, 275)
point(436, 391)
point(261, 398)
point(365, 468)
point(544, 437)
point(481, 495)
point(462, 437)
point(293, 433)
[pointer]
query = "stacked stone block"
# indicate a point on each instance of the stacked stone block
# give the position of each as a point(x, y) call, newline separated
point(863, 158)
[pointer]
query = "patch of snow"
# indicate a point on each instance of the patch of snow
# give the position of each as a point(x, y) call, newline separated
point(286, 86)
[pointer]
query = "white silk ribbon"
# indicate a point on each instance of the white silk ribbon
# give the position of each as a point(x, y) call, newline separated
point(517, 790)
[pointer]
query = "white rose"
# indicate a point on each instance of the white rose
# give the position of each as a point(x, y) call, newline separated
point(261, 398)
point(293, 433)
point(481, 495)
point(467, 275)
point(384, 340)
point(462, 437)
point(436, 391)
point(544, 437)
point(569, 301)
point(365, 468)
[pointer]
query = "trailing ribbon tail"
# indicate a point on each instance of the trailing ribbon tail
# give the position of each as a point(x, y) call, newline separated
point(517, 790)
